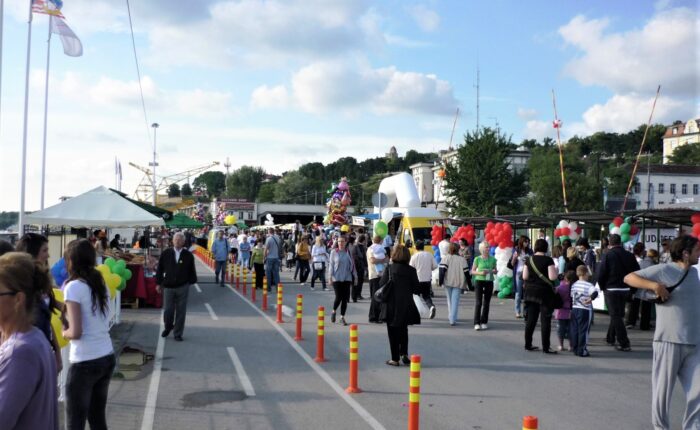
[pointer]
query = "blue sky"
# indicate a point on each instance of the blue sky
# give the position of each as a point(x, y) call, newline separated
point(280, 83)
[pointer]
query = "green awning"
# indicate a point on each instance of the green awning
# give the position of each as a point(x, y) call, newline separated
point(183, 221)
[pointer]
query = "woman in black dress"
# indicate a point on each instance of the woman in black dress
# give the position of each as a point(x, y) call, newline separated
point(539, 273)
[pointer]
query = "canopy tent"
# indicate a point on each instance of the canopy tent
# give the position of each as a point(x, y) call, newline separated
point(183, 221)
point(100, 207)
point(155, 210)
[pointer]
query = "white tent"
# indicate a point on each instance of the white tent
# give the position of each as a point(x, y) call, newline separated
point(100, 207)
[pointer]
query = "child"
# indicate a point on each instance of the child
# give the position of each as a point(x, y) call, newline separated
point(379, 253)
point(582, 295)
point(563, 315)
point(257, 259)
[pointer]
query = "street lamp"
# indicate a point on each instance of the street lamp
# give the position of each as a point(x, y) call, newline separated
point(155, 126)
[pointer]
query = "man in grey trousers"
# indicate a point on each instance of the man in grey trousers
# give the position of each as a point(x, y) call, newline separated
point(176, 272)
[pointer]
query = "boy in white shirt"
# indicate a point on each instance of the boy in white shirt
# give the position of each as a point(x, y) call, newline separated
point(582, 295)
point(379, 253)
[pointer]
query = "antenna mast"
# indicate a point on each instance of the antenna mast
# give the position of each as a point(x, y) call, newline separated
point(477, 97)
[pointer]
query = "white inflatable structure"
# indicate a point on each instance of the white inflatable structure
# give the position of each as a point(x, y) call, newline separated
point(400, 189)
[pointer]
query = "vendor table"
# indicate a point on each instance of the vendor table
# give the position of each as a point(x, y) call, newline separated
point(142, 287)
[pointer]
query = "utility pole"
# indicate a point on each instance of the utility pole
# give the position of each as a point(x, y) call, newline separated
point(155, 126)
point(477, 97)
point(227, 164)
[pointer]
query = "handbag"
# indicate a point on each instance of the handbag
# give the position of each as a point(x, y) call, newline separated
point(650, 296)
point(555, 300)
point(422, 307)
point(384, 291)
point(318, 265)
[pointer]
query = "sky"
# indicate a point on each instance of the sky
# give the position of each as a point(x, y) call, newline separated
point(279, 83)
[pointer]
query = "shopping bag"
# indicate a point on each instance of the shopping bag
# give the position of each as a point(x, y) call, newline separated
point(423, 309)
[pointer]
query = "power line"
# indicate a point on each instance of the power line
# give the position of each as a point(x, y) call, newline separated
point(138, 74)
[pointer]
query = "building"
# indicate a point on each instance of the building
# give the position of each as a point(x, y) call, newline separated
point(393, 154)
point(667, 185)
point(679, 134)
point(423, 175)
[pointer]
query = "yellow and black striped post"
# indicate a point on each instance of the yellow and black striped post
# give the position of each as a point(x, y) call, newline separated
point(414, 394)
point(320, 335)
point(300, 299)
point(352, 387)
point(279, 304)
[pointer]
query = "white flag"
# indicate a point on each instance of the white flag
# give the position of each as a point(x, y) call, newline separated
point(71, 44)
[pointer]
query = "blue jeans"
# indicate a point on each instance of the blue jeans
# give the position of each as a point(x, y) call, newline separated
point(519, 293)
point(220, 269)
point(272, 271)
point(453, 302)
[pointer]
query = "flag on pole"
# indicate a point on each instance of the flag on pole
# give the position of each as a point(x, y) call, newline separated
point(556, 123)
point(71, 44)
point(48, 7)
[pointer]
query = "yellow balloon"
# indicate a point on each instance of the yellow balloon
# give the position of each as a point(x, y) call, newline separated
point(230, 219)
point(56, 320)
point(345, 228)
point(113, 282)
point(104, 269)
point(58, 294)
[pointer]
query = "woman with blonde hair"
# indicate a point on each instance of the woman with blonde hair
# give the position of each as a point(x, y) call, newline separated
point(484, 270)
point(453, 268)
point(319, 258)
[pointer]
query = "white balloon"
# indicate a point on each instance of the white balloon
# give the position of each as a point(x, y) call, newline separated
point(387, 214)
point(573, 235)
point(615, 230)
point(573, 225)
point(563, 224)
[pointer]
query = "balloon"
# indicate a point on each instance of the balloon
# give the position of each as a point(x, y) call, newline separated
point(127, 274)
point(230, 219)
point(695, 218)
point(104, 270)
point(345, 228)
point(625, 228)
point(611, 226)
point(563, 224)
point(615, 230)
point(118, 270)
point(387, 214)
point(109, 262)
point(565, 231)
point(122, 285)
point(625, 237)
point(57, 326)
point(113, 281)
point(381, 229)
point(436, 253)
point(573, 225)
point(618, 221)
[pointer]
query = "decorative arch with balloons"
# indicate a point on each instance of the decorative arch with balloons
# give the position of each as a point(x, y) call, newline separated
point(500, 238)
point(338, 203)
point(624, 227)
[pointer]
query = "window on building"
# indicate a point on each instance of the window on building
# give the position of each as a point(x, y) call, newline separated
point(661, 203)
point(661, 188)
point(695, 189)
point(250, 215)
point(240, 215)
point(673, 188)
point(637, 188)
point(675, 130)
point(684, 189)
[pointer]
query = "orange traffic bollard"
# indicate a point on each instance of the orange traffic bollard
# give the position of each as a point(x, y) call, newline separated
point(264, 298)
point(529, 423)
point(279, 304)
point(353, 388)
point(320, 335)
point(238, 277)
point(245, 279)
point(253, 296)
point(414, 394)
point(300, 299)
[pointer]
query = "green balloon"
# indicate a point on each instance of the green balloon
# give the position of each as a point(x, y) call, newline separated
point(110, 262)
point(121, 263)
point(611, 226)
point(381, 229)
point(118, 270)
point(122, 285)
point(625, 237)
point(625, 228)
point(127, 274)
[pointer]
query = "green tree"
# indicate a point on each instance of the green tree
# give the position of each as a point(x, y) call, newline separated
point(293, 188)
point(174, 190)
point(478, 179)
point(245, 182)
point(266, 194)
point(686, 154)
point(211, 183)
point(186, 190)
point(313, 170)
point(8, 219)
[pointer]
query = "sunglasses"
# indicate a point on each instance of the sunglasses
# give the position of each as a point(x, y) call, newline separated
point(9, 293)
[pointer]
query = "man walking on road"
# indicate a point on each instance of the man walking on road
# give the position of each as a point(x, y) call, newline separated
point(220, 249)
point(615, 265)
point(273, 257)
point(424, 263)
point(176, 272)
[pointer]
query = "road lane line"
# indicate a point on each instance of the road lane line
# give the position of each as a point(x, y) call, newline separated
point(242, 375)
point(196, 286)
point(211, 312)
point(149, 411)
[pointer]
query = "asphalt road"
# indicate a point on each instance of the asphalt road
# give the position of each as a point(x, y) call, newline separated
point(470, 380)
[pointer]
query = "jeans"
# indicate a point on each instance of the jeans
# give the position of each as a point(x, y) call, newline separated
point(535, 311)
point(453, 303)
point(175, 308)
point(398, 341)
point(375, 308)
point(580, 323)
point(244, 259)
point(425, 293)
point(303, 270)
point(220, 268)
point(519, 293)
point(87, 386)
point(272, 271)
point(483, 291)
point(615, 301)
point(319, 274)
point(342, 295)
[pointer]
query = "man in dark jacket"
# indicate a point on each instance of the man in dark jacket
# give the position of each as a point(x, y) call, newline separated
point(615, 265)
point(176, 272)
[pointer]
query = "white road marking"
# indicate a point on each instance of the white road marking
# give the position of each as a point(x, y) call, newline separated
point(196, 287)
point(152, 398)
point(211, 312)
point(245, 381)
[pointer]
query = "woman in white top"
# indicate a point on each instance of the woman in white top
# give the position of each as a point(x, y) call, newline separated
point(319, 259)
point(91, 354)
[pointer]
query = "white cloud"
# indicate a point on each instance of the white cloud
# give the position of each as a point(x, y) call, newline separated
point(538, 130)
point(427, 19)
point(348, 86)
point(665, 51)
point(265, 97)
point(527, 114)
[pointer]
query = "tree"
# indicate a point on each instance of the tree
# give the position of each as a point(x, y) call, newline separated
point(186, 190)
point(8, 219)
point(174, 190)
point(479, 179)
point(266, 194)
point(686, 154)
point(293, 188)
point(245, 182)
point(210, 183)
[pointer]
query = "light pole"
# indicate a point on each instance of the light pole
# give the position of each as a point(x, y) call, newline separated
point(155, 126)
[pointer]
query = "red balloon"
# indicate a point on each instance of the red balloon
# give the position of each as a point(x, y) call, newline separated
point(634, 230)
point(557, 232)
point(502, 245)
point(565, 231)
point(579, 230)
point(695, 218)
point(618, 221)
point(696, 229)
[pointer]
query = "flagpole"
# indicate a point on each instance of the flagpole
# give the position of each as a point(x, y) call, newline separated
point(46, 114)
point(2, 20)
point(23, 183)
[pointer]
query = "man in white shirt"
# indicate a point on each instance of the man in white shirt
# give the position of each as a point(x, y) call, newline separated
point(444, 245)
point(424, 263)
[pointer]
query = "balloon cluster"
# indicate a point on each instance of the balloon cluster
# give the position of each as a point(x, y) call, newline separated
point(115, 274)
point(220, 214)
point(567, 230)
point(505, 274)
point(624, 227)
point(695, 219)
point(436, 235)
point(466, 233)
point(230, 219)
point(338, 203)
point(500, 234)
point(199, 212)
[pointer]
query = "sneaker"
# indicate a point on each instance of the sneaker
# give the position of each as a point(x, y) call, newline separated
point(342, 320)
point(312, 288)
point(629, 326)
point(405, 360)
point(484, 326)
point(333, 317)
point(623, 348)
point(303, 284)
point(325, 289)
point(518, 316)
point(477, 327)
point(560, 348)
point(432, 312)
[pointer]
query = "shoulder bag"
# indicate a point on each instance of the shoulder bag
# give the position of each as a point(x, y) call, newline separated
point(555, 300)
point(650, 296)
point(384, 290)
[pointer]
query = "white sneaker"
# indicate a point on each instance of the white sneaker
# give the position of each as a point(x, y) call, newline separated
point(432, 312)
point(303, 283)
point(477, 327)
point(484, 326)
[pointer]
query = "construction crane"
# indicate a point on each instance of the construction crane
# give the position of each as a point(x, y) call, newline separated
point(144, 190)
